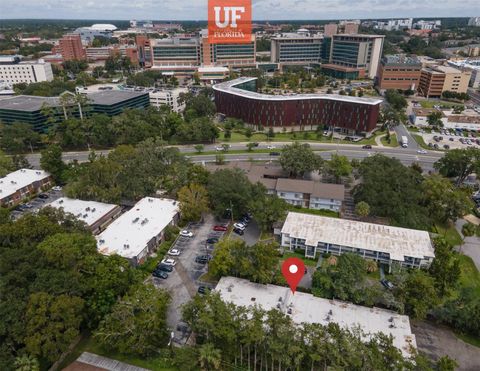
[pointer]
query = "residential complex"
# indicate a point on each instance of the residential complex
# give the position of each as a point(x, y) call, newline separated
point(353, 56)
point(385, 244)
point(21, 184)
point(399, 72)
point(29, 109)
point(238, 98)
point(13, 71)
point(306, 308)
point(427, 25)
point(394, 24)
point(437, 79)
point(474, 21)
point(137, 233)
point(296, 48)
point(71, 48)
point(97, 215)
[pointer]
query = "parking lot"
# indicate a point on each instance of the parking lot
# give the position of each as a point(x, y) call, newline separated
point(37, 203)
point(449, 138)
point(182, 282)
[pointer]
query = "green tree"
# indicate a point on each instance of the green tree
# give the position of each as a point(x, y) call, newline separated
point(459, 163)
point(362, 209)
point(19, 137)
point(6, 164)
point(51, 161)
point(267, 210)
point(209, 357)
point(418, 293)
point(445, 268)
point(52, 323)
point(26, 362)
point(193, 201)
point(468, 229)
point(298, 159)
point(250, 146)
point(199, 148)
point(137, 323)
point(445, 363)
point(395, 99)
point(338, 167)
point(435, 119)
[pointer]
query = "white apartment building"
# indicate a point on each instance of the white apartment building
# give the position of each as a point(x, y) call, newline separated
point(168, 97)
point(12, 71)
point(427, 25)
point(382, 243)
point(394, 24)
point(21, 184)
point(474, 21)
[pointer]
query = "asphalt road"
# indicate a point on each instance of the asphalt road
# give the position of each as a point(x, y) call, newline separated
point(405, 155)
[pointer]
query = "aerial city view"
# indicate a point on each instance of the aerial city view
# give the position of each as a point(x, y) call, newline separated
point(239, 185)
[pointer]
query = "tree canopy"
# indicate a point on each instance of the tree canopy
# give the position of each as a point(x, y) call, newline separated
point(298, 159)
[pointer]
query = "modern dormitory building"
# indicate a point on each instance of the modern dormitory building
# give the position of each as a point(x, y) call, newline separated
point(30, 109)
point(21, 184)
point(350, 115)
point(382, 243)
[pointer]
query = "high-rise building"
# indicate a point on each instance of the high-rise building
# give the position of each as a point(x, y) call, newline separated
point(177, 54)
point(438, 79)
point(228, 55)
point(399, 72)
point(296, 48)
point(394, 24)
point(350, 54)
point(330, 29)
point(427, 25)
point(13, 71)
point(144, 50)
point(71, 47)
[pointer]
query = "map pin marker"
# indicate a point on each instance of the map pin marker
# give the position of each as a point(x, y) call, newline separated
point(293, 270)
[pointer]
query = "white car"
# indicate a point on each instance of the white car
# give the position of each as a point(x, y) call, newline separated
point(174, 252)
point(422, 151)
point(271, 146)
point(239, 226)
point(168, 261)
point(186, 233)
point(57, 188)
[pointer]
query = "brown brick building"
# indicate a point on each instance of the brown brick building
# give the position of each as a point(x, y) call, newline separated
point(438, 79)
point(71, 48)
point(399, 72)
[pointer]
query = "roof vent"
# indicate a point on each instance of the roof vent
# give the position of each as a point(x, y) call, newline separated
point(60, 202)
point(85, 215)
point(253, 299)
point(135, 220)
point(93, 210)
point(101, 241)
point(87, 208)
point(289, 311)
point(150, 200)
point(38, 172)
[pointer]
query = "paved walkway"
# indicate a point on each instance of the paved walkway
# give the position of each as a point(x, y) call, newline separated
point(378, 140)
point(471, 247)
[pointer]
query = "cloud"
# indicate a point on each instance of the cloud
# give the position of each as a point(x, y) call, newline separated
point(262, 9)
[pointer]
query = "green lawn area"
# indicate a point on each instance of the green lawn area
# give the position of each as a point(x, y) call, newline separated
point(330, 213)
point(470, 276)
point(393, 141)
point(161, 362)
point(306, 261)
point(443, 104)
point(449, 232)
point(419, 139)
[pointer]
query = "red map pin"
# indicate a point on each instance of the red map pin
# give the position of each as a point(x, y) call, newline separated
point(293, 270)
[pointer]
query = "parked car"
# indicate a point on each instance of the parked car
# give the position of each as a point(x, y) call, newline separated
point(168, 261)
point(387, 284)
point(220, 228)
point(367, 146)
point(186, 233)
point(201, 260)
point(271, 146)
point(451, 139)
point(202, 290)
point(164, 268)
point(57, 188)
point(238, 231)
point(446, 146)
point(43, 196)
point(212, 240)
point(160, 274)
point(239, 226)
point(174, 252)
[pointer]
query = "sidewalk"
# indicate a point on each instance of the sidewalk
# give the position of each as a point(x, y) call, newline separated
point(471, 246)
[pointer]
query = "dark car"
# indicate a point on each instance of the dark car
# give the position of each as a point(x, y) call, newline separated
point(164, 268)
point(274, 153)
point(201, 260)
point(367, 146)
point(238, 231)
point(212, 240)
point(451, 139)
point(160, 274)
point(446, 146)
point(203, 290)
point(220, 228)
point(387, 284)
point(43, 196)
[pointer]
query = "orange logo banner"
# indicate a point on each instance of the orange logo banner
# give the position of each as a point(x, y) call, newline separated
point(229, 21)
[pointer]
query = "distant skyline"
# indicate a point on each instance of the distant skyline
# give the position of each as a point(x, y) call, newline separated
point(262, 9)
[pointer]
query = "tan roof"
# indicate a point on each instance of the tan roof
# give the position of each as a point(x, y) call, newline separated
point(332, 191)
point(295, 185)
point(464, 119)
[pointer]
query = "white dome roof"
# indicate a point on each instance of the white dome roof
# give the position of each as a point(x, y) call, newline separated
point(106, 27)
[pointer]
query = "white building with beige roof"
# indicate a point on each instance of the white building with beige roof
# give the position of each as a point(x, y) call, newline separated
point(386, 244)
point(306, 308)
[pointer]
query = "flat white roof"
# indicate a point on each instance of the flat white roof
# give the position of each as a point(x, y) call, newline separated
point(230, 87)
point(87, 211)
point(398, 242)
point(128, 235)
point(306, 308)
point(212, 69)
point(19, 179)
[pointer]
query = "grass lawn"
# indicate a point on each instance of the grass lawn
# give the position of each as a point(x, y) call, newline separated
point(443, 104)
point(450, 234)
point(150, 264)
point(207, 278)
point(393, 141)
point(266, 236)
point(306, 261)
point(470, 276)
point(330, 213)
point(88, 344)
point(419, 139)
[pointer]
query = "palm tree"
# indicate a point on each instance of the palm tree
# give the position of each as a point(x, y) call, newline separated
point(66, 100)
point(332, 260)
point(371, 266)
point(26, 362)
point(210, 358)
point(81, 100)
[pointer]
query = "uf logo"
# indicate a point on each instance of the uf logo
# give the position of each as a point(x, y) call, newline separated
point(227, 10)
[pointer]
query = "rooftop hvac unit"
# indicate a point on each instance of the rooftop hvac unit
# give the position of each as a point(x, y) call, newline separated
point(38, 172)
point(60, 202)
point(150, 200)
point(87, 208)
point(93, 210)
point(85, 215)
point(101, 241)
point(135, 220)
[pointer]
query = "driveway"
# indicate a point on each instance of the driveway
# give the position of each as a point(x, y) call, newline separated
point(401, 130)
point(34, 205)
point(183, 283)
point(251, 234)
point(471, 247)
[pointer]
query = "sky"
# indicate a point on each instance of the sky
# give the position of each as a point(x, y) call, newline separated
point(262, 9)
